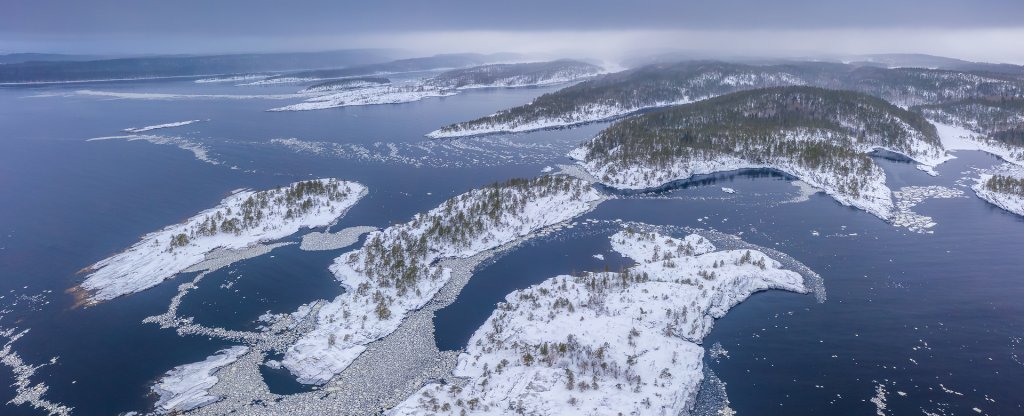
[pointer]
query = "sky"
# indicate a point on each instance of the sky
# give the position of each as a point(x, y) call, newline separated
point(987, 30)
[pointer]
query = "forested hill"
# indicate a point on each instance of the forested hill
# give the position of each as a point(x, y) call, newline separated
point(618, 94)
point(998, 118)
point(515, 75)
point(822, 136)
point(743, 118)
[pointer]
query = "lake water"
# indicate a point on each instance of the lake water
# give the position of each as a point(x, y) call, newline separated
point(934, 316)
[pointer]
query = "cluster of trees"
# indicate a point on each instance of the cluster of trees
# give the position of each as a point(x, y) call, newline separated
point(513, 74)
point(655, 85)
point(817, 128)
point(1006, 185)
point(285, 203)
point(402, 255)
point(346, 83)
point(1000, 118)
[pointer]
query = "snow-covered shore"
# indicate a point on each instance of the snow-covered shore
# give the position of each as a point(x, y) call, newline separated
point(395, 272)
point(590, 113)
point(872, 194)
point(1010, 201)
point(959, 137)
point(186, 387)
point(241, 220)
point(606, 343)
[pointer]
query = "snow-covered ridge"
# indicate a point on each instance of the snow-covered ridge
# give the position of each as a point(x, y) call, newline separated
point(160, 126)
point(606, 343)
point(537, 115)
point(186, 387)
point(395, 271)
point(588, 113)
point(241, 220)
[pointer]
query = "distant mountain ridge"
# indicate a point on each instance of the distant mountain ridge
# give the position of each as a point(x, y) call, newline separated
point(177, 66)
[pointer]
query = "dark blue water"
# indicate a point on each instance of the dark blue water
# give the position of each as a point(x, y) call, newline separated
point(66, 203)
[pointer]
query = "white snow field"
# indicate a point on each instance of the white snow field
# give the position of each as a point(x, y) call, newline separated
point(606, 343)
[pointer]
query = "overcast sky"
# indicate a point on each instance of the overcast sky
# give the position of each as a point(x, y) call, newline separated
point(990, 30)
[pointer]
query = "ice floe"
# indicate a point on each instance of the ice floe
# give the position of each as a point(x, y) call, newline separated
point(186, 387)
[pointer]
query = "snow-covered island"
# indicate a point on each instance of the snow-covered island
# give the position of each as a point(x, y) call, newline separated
point(373, 95)
point(186, 387)
point(241, 220)
point(821, 136)
point(396, 270)
point(608, 342)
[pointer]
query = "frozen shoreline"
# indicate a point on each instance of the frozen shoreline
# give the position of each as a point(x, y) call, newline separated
point(1008, 201)
point(162, 254)
point(961, 138)
point(875, 197)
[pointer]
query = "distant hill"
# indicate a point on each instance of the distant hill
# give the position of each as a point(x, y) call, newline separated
point(171, 66)
point(908, 60)
point(15, 58)
point(821, 136)
point(619, 94)
point(443, 61)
